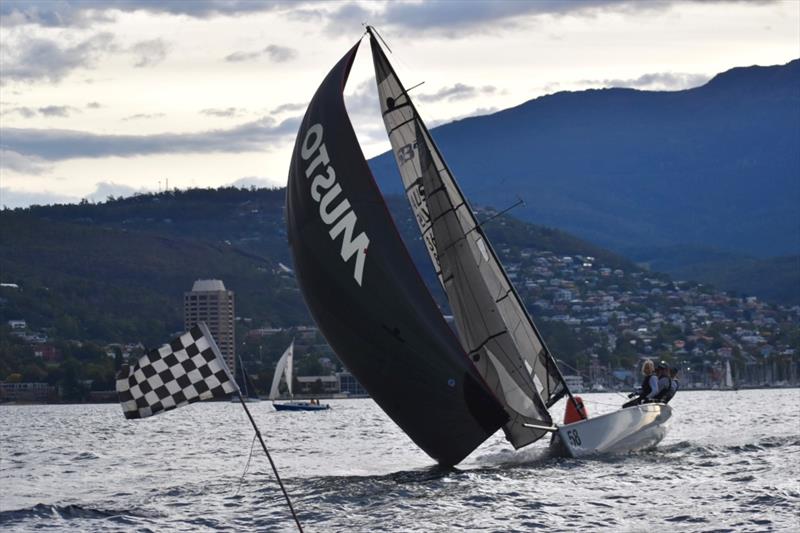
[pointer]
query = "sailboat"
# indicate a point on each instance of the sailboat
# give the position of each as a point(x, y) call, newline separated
point(284, 370)
point(728, 380)
point(448, 393)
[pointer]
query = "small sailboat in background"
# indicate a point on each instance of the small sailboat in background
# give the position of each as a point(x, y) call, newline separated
point(283, 370)
point(448, 393)
point(727, 383)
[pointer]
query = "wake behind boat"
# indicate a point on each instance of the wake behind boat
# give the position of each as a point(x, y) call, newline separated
point(284, 370)
point(448, 393)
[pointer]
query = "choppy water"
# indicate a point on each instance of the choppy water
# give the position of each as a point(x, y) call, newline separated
point(731, 462)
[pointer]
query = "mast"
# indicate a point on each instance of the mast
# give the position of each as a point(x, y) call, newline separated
point(417, 143)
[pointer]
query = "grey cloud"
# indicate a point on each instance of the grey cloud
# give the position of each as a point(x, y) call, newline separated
point(253, 181)
point(12, 198)
point(144, 116)
point(24, 164)
point(35, 59)
point(24, 111)
point(58, 110)
point(474, 113)
point(288, 107)
point(56, 144)
point(94, 105)
point(226, 112)
point(459, 91)
point(242, 56)
point(149, 53)
point(47, 111)
point(276, 53)
point(104, 189)
point(459, 20)
point(655, 81)
point(83, 13)
point(280, 54)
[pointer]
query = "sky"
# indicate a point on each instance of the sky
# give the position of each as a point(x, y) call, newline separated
point(104, 98)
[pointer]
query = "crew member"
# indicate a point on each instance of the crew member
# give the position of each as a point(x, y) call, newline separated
point(664, 381)
point(674, 384)
point(649, 386)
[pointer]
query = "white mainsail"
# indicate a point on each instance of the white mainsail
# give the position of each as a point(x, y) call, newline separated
point(493, 325)
point(728, 375)
point(283, 368)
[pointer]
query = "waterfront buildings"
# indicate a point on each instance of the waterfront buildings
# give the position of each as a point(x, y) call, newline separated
point(210, 302)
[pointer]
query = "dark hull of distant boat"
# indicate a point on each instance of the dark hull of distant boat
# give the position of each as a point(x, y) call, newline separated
point(300, 406)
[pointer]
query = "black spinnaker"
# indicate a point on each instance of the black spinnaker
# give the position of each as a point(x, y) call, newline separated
point(365, 294)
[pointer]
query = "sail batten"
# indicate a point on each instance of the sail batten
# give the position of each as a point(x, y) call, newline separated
point(484, 303)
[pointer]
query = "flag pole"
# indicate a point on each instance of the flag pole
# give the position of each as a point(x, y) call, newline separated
point(274, 468)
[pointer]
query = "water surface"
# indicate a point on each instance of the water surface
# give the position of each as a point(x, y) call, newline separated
point(731, 462)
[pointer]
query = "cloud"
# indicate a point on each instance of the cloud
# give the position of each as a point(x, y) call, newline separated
point(253, 181)
point(280, 54)
point(104, 189)
point(93, 105)
point(58, 110)
point(23, 111)
point(242, 56)
point(84, 13)
point(474, 113)
point(444, 19)
point(222, 112)
point(47, 111)
point(283, 108)
point(664, 81)
point(22, 164)
point(149, 53)
point(11, 198)
point(459, 91)
point(144, 116)
point(276, 53)
point(35, 59)
point(58, 144)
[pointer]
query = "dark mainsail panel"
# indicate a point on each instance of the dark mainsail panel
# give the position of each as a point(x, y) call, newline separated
point(366, 295)
point(491, 319)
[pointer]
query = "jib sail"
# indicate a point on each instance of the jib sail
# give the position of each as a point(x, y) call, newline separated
point(494, 327)
point(365, 294)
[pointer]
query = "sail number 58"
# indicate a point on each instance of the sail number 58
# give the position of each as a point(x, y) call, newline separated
point(573, 437)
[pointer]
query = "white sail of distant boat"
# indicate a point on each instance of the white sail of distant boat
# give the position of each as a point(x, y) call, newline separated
point(283, 370)
point(728, 383)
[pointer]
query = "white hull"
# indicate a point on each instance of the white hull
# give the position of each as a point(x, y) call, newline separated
point(630, 429)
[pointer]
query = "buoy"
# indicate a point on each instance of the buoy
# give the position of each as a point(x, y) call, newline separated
point(571, 414)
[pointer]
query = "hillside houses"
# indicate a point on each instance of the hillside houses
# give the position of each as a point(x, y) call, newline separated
point(637, 314)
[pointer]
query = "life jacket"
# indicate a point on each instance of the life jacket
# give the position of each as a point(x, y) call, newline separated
point(646, 388)
point(663, 391)
point(673, 388)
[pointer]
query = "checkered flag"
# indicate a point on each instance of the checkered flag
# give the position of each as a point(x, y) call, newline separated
point(188, 369)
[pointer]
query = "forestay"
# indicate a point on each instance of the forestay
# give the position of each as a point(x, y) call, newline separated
point(493, 324)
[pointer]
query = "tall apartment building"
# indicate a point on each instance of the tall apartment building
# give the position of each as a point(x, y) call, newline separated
point(210, 302)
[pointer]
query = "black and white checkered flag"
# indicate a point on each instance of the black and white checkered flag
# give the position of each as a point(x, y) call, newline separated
point(188, 369)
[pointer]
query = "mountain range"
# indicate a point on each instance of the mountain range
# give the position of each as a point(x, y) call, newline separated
point(118, 269)
point(674, 180)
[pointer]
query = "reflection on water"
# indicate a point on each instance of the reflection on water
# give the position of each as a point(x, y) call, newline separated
point(730, 461)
